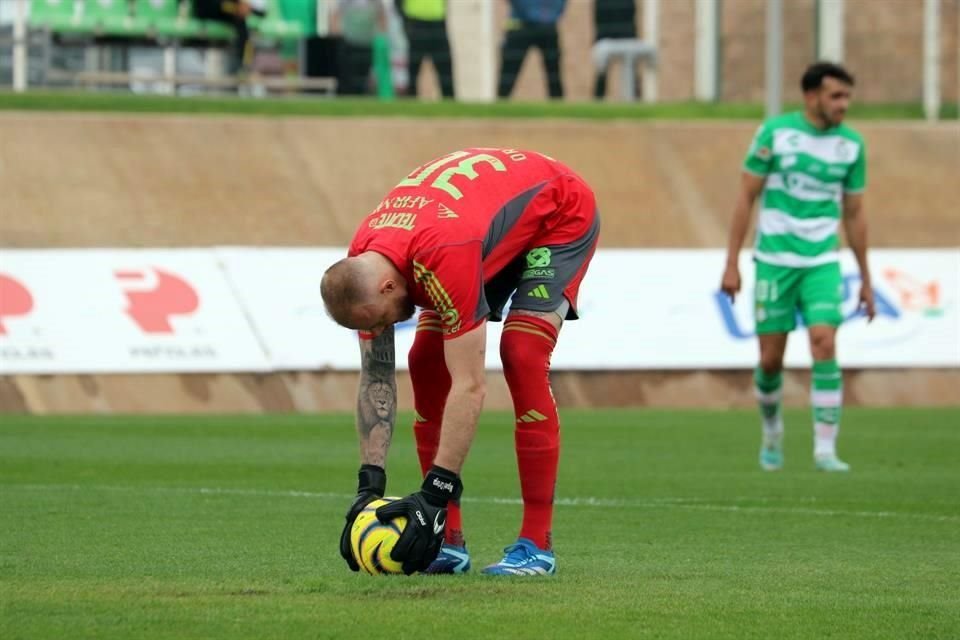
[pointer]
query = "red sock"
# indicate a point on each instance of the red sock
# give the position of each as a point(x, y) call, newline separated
point(525, 350)
point(431, 384)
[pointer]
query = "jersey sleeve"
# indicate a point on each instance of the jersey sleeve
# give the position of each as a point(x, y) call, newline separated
point(856, 180)
point(451, 278)
point(759, 158)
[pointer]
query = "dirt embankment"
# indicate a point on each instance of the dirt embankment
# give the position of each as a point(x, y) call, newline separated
point(131, 181)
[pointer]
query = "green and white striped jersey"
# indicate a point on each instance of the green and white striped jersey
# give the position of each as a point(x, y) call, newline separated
point(807, 172)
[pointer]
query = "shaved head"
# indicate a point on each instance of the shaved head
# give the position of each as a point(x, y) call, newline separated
point(365, 292)
point(346, 286)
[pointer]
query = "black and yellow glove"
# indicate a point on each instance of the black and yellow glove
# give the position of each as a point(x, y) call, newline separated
point(371, 486)
point(426, 514)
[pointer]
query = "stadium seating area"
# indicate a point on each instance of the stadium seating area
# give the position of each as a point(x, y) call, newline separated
point(159, 21)
point(166, 24)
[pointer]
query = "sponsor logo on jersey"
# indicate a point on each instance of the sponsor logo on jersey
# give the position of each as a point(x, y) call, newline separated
point(450, 318)
point(546, 273)
point(539, 291)
point(445, 213)
point(538, 257)
point(837, 171)
point(394, 220)
point(843, 149)
point(403, 203)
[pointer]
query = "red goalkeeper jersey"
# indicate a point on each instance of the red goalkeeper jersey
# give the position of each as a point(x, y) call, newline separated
point(455, 223)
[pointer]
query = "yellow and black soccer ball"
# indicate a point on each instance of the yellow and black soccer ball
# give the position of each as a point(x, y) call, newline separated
point(372, 542)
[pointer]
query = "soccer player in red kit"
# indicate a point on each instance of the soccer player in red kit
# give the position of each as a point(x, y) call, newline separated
point(459, 237)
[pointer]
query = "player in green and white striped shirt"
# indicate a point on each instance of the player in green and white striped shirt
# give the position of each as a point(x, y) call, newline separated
point(809, 170)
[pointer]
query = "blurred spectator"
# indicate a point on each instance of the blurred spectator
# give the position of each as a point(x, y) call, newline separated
point(235, 14)
point(425, 25)
point(357, 22)
point(614, 20)
point(532, 23)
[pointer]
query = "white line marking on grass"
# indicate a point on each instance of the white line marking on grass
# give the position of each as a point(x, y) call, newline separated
point(695, 504)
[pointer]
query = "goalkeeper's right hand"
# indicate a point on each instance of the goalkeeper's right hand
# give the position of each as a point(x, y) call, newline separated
point(371, 486)
point(426, 514)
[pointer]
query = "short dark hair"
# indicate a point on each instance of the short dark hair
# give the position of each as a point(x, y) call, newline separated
point(815, 73)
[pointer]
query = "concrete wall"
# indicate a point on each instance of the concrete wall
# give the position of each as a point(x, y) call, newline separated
point(128, 181)
point(131, 181)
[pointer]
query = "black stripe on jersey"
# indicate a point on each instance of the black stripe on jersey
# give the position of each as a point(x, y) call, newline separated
point(507, 217)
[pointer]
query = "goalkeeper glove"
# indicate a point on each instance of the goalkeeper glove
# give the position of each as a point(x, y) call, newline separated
point(426, 514)
point(371, 486)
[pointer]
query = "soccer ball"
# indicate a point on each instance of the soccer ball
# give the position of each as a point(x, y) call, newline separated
point(372, 542)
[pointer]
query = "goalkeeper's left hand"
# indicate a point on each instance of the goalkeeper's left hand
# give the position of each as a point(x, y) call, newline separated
point(371, 486)
point(426, 514)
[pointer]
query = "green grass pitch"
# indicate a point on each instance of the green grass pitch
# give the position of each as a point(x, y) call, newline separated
point(227, 527)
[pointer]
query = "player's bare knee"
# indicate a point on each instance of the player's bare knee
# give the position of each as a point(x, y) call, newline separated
point(771, 359)
point(771, 365)
point(822, 347)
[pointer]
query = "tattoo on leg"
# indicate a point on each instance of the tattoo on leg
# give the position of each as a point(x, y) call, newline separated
point(377, 397)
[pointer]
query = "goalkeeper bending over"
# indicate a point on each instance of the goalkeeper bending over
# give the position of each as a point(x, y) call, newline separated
point(459, 237)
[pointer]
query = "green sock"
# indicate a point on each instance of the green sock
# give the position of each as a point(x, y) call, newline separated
point(826, 397)
point(769, 392)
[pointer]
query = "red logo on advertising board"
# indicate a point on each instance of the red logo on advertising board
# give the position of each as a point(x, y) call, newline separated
point(15, 300)
point(154, 296)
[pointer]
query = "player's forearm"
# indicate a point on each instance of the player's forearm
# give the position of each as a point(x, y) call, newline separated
point(377, 398)
point(855, 225)
point(738, 229)
point(459, 424)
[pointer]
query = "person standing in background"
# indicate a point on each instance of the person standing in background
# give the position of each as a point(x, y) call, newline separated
point(613, 20)
point(425, 25)
point(809, 170)
point(357, 23)
point(532, 23)
point(233, 13)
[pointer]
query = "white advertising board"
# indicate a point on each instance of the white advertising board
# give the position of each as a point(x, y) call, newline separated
point(663, 310)
point(639, 310)
point(258, 309)
point(121, 311)
point(280, 290)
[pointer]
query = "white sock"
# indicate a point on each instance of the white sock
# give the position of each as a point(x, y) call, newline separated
point(826, 425)
point(771, 417)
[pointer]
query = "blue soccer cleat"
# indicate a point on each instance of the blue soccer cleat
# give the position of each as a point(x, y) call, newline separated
point(771, 457)
point(452, 559)
point(524, 558)
point(831, 463)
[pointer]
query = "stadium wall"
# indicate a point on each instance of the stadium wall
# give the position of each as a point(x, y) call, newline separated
point(336, 391)
point(883, 47)
point(130, 181)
